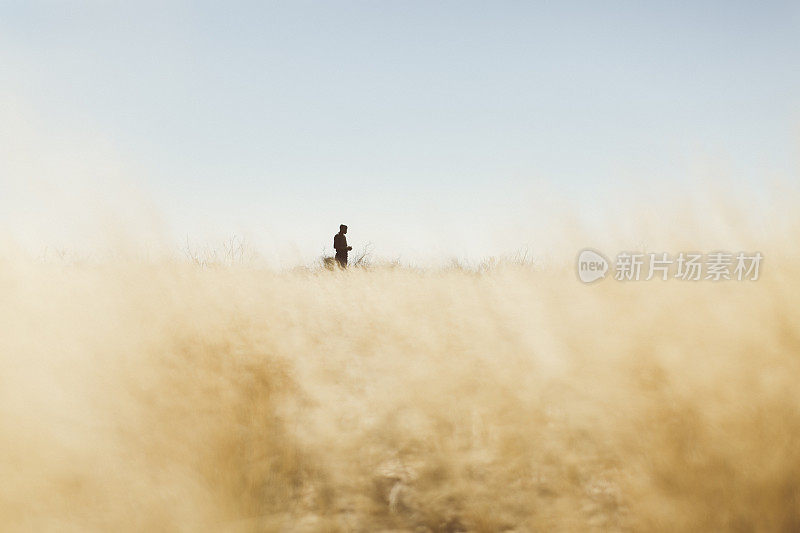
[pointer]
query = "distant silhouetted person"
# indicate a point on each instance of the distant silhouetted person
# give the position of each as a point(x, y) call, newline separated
point(340, 245)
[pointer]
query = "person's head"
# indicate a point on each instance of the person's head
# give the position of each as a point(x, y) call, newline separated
point(342, 228)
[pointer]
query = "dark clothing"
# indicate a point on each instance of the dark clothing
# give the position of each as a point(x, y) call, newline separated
point(340, 245)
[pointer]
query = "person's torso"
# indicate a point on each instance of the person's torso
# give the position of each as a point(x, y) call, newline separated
point(340, 242)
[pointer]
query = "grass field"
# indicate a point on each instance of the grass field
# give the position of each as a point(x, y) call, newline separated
point(165, 396)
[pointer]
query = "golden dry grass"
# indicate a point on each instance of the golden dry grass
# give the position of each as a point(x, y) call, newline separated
point(167, 397)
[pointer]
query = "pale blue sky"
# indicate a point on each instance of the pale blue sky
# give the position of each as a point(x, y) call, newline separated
point(279, 120)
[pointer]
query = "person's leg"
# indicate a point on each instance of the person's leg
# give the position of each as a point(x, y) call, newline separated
point(341, 259)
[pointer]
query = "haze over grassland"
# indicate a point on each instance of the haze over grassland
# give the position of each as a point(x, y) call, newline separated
point(175, 355)
point(142, 394)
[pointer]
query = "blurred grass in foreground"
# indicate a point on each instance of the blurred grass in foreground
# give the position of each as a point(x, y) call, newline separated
point(164, 396)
